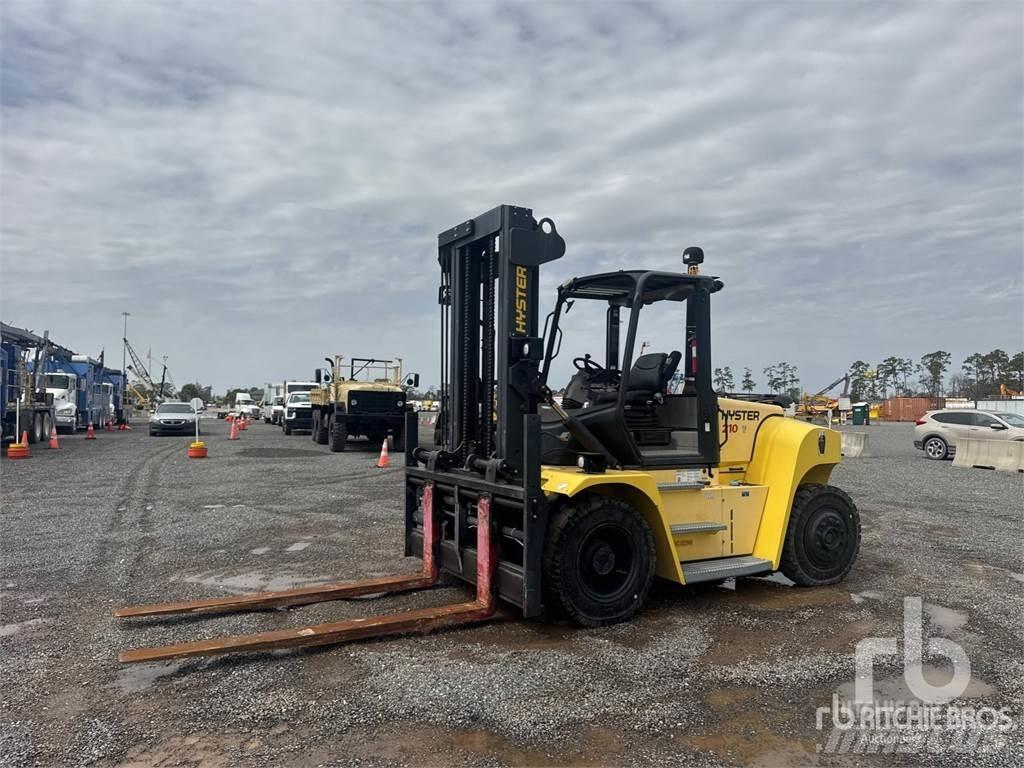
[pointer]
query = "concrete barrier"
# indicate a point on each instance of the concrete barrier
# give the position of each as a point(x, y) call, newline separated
point(1004, 455)
point(853, 444)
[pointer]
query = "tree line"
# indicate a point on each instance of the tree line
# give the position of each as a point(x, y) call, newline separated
point(780, 377)
point(980, 376)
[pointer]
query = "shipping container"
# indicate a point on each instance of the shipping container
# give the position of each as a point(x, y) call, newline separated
point(910, 408)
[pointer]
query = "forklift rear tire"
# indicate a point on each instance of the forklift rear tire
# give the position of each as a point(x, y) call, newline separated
point(339, 436)
point(823, 536)
point(598, 561)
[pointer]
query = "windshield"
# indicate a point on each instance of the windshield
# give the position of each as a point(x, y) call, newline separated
point(278, 401)
point(1013, 419)
point(174, 408)
point(56, 382)
point(298, 397)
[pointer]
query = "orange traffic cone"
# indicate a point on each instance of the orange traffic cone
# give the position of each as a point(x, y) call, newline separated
point(197, 450)
point(19, 450)
point(90, 433)
point(234, 431)
point(53, 437)
point(383, 460)
point(241, 424)
point(110, 425)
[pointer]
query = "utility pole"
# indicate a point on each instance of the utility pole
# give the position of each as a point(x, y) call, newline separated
point(124, 367)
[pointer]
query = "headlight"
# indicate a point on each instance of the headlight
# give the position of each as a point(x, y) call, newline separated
point(69, 408)
point(291, 414)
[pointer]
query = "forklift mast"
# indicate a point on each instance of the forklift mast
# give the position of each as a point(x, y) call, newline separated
point(490, 339)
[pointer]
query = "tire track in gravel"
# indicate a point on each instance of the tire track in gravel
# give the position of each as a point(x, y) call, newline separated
point(129, 512)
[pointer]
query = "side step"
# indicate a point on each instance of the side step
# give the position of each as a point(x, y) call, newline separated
point(684, 528)
point(420, 620)
point(724, 568)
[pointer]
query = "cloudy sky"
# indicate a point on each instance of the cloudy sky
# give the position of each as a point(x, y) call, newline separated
point(260, 184)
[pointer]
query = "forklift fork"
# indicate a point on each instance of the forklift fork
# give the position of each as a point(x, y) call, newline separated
point(420, 620)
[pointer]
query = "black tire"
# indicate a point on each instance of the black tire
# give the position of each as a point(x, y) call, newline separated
point(339, 435)
point(47, 426)
point(598, 561)
point(936, 448)
point(34, 429)
point(823, 536)
point(286, 428)
point(320, 432)
point(152, 432)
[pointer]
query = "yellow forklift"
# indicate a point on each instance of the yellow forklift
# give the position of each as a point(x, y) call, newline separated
point(571, 507)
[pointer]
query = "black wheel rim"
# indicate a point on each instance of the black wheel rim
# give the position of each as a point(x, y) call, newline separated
point(606, 562)
point(827, 538)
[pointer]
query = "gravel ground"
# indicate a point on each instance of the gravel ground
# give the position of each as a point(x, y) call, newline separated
point(705, 676)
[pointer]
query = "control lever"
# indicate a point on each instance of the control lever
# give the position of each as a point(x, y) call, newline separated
point(576, 428)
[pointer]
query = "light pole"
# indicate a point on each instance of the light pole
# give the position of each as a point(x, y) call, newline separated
point(124, 364)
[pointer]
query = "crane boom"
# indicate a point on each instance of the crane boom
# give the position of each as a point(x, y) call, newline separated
point(844, 380)
point(139, 368)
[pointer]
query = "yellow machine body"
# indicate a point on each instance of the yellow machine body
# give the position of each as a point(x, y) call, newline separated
point(740, 507)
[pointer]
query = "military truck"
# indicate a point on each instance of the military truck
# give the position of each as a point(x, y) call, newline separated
point(365, 396)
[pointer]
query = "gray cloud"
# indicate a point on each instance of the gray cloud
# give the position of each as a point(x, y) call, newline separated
point(260, 184)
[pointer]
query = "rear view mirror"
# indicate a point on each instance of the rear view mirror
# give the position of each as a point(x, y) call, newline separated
point(997, 425)
point(412, 380)
point(318, 375)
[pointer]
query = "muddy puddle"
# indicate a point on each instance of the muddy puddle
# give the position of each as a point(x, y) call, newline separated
point(142, 677)
point(895, 688)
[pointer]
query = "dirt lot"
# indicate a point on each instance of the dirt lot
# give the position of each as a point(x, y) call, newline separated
point(727, 675)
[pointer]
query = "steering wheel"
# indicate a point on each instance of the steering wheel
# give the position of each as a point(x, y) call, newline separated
point(588, 364)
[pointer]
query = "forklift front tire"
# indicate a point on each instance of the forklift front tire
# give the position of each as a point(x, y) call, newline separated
point(823, 536)
point(598, 561)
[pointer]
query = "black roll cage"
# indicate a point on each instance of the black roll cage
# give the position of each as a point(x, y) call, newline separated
point(634, 289)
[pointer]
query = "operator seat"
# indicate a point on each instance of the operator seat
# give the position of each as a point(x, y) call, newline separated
point(649, 377)
point(648, 380)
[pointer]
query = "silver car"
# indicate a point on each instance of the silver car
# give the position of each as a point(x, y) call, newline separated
point(936, 433)
point(173, 418)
